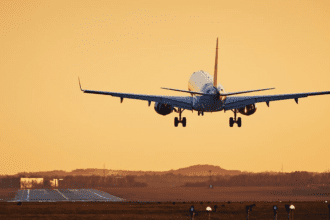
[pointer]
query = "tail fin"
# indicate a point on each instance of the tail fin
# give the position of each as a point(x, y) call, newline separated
point(215, 77)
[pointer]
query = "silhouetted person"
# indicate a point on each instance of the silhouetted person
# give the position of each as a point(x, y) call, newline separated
point(247, 209)
point(19, 203)
point(215, 208)
point(287, 208)
point(329, 210)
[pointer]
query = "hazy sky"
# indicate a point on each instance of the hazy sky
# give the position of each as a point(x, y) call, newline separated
point(47, 123)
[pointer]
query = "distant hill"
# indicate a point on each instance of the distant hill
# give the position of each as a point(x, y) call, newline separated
point(196, 170)
point(204, 170)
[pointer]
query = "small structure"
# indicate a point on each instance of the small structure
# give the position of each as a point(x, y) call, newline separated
point(28, 183)
point(209, 209)
point(292, 208)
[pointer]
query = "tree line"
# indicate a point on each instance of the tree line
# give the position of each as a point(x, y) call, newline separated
point(245, 179)
point(266, 179)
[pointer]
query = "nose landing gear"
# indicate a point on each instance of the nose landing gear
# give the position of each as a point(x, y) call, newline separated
point(234, 120)
point(183, 120)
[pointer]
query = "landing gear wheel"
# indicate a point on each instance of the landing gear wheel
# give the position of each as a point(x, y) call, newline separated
point(184, 122)
point(231, 122)
point(239, 122)
point(234, 120)
point(176, 121)
point(180, 120)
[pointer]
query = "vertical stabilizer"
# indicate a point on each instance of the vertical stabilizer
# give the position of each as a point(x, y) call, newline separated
point(215, 77)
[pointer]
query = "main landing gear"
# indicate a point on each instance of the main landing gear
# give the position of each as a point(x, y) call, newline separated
point(200, 113)
point(233, 120)
point(183, 120)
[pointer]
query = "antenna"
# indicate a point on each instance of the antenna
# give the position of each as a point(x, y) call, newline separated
point(215, 77)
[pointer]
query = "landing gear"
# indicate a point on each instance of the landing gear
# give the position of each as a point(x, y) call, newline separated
point(184, 122)
point(176, 121)
point(179, 120)
point(200, 113)
point(233, 120)
point(239, 122)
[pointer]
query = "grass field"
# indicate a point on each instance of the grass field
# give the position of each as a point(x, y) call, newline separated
point(307, 207)
point(127, 210)
point(217, 194)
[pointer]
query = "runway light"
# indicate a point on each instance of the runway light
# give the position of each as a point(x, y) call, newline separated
point(192, 208)
point(292, 207)
point(208, 209)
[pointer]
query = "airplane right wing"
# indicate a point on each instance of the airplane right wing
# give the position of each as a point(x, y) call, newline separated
point(185, 102)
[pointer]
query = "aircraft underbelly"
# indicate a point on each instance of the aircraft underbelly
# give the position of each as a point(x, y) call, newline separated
point(207, 104)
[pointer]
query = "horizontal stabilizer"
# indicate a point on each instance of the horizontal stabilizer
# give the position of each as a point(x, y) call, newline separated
point(241, 92)
point(191, 92)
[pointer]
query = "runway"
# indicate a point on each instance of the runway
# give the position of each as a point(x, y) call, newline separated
point(64, 195)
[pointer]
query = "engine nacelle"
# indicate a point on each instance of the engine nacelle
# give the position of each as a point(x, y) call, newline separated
point(163, 108)
point(248, 110)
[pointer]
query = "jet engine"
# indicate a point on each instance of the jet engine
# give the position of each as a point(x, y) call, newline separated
point(248, 110)
point(163, 108)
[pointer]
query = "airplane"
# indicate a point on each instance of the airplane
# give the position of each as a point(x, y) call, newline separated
point(207, 95)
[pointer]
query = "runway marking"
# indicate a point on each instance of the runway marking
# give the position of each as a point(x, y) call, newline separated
point(62, 194)
point(98, 194)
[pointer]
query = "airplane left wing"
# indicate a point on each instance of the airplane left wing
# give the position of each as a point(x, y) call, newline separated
point(185, 102)
point(235, 102)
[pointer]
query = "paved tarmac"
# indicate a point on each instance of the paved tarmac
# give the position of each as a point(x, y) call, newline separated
point(64, 195)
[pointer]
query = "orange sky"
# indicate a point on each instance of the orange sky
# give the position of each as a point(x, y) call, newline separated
point(47, 123)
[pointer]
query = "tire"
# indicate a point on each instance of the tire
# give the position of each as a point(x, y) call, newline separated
point(231, 122)
point(176, 121)
point(202, 113)
point(239, 122)
point(184, 122)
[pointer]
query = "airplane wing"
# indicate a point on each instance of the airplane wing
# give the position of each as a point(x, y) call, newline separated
point(185, 102)
point(235, 102)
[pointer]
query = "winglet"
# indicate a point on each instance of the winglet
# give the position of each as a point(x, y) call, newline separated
point(80, 85)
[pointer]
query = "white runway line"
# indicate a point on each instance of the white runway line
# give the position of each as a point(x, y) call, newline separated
point(62, 194)
point(98, 195)
point(28, 195)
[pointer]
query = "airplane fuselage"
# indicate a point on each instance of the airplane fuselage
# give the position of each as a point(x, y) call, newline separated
point(202, 81)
